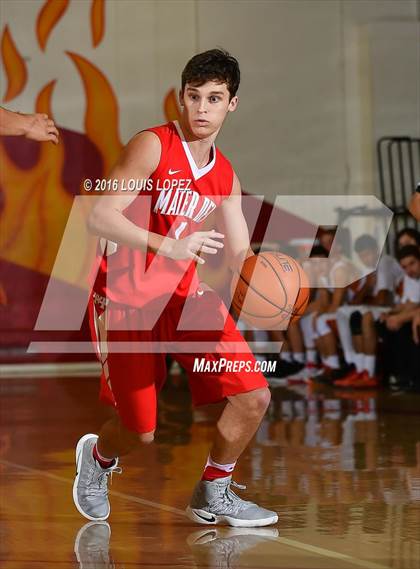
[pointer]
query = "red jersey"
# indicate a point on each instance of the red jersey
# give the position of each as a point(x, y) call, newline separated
point(174, 201)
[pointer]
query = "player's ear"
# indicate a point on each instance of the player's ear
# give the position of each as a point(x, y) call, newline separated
point(233, 103)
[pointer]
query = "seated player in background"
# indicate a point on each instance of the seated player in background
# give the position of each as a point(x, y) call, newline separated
point(401, 349)
point(37, 126)
point(375, 292)
point(407, 236)
point(341, 269)
point(319, 300)
point(407, 296)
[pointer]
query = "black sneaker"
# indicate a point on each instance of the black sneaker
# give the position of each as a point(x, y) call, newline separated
point(284, 369)
point(328, 376)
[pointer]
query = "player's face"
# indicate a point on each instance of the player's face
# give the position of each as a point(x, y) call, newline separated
point(205, 107)
point(406, 240)
point(411, 267)
point(369, 257)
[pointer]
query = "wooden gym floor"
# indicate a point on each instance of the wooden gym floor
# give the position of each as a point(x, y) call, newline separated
point(341, 468)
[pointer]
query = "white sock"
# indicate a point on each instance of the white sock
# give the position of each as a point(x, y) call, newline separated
point(299, 357)
point(226, 467)
point(100, 456)
point(359, 362)
point(286, 356)
point(350, 357)
point(369, 364)
point(332, 362)
point(311, 356)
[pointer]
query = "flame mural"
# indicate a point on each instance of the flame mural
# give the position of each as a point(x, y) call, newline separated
point(48, 17)
point(14, 66)
point(101, 116)
point(38, 182)
point(170, 106)
point(97, 21)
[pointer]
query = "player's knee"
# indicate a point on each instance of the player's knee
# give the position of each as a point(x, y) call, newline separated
point(367, 319)
point(147, 438)
point(259, 403)
point(322, 326)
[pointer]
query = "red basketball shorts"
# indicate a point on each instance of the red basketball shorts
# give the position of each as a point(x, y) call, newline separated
point(218, 362)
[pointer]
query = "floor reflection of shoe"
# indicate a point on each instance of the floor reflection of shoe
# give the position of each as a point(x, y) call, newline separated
point(215, 503)
point(222, 548)
point(91, 546)
point(353, 394)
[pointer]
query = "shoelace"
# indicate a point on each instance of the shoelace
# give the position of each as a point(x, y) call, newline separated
point(238, 486)
point(229, 499)
point(102, 479)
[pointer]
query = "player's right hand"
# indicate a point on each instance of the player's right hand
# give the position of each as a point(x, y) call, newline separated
point(199, 242)
point(41, 128)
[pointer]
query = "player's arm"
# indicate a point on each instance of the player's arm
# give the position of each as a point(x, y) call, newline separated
point(337, 297)
point(365, 290)
point(34, 126)
point(395, 321)
point(383, 298)
point(416, 327)
point(414, 207)
point(234, 227)
point(138, 161)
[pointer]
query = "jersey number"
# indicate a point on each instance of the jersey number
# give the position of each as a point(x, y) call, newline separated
point(180, 229)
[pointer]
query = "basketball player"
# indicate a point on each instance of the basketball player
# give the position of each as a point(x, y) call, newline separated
point(319, 301)
point(407, 236)
point(375, 294)
point(187, 178)
point(33, 126)
point(324, 335)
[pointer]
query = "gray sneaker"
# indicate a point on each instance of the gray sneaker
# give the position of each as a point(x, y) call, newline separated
point(91, 546)
point(215, 503)
point(223, 547)
point(90, 488)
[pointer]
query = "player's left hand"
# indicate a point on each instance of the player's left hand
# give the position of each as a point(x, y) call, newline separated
point(41, 128)
point(416, 328)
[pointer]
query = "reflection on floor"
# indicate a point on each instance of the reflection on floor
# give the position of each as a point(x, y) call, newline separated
point(341, 468)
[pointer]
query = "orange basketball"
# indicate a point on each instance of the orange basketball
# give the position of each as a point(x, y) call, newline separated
point(272, 290)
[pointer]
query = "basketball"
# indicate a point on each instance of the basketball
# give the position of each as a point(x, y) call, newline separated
point(271, 291)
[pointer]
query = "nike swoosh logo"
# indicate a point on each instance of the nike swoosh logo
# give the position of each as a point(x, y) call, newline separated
point(211, 519)
point(171, 172)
